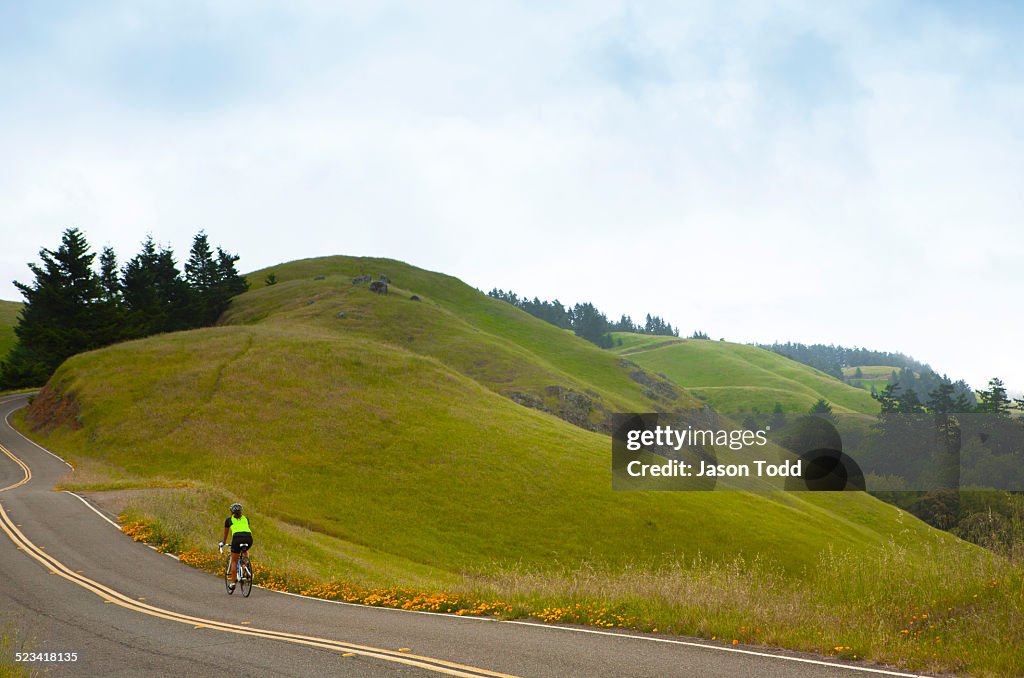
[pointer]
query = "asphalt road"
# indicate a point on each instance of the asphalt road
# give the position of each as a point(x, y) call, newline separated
point(71, 582)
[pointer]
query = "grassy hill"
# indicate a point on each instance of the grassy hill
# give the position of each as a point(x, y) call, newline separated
point(455, 442)
point(501, 347)
point(9, 311)
point(736, 378)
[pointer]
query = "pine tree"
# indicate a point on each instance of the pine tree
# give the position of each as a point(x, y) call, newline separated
point(155, 296)
point(889, 399)
point(994, 399)
point(963, 403)
point(909, 403)
point(940, 401)
point(110, 279)
point(59, 318)
point(229, 282)
point(592, 325)
point(823, 409)
point(202, 273)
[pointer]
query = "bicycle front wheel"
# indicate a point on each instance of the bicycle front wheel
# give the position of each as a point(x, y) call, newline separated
point(229, 576)
point(246, 582)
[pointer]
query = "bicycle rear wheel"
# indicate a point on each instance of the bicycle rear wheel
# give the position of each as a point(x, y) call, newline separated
point(229, 576)
point(246, 582)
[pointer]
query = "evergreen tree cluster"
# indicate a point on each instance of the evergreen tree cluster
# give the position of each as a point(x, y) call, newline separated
point(585, 319)
point(70, 307)
point(947, 398)
point(923, 384)
point(831, 359)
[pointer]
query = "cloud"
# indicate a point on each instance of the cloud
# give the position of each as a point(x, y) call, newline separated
point(758, 172)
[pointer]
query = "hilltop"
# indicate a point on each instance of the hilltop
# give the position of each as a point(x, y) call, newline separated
point(735, 378)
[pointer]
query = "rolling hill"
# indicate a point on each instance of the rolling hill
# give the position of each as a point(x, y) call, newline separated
point(453, 440)
point(735, 378)
point(337, 398)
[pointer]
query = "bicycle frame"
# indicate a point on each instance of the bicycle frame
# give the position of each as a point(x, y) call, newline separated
point(243, 572)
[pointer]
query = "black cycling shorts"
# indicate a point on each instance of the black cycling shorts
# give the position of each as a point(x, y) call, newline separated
point(240, 538)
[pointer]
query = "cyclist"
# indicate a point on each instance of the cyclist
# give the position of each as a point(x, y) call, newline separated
point(241, 537)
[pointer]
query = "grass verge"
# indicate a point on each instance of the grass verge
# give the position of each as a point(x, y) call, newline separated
point(961, 614)
point(12, 641)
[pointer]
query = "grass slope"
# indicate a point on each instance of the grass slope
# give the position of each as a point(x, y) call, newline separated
point(501, 347)
point(386, 446)
point(9, 311)
point(397, 454)
point(736, 378)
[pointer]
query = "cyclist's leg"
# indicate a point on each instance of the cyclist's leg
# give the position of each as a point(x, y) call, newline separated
point(232, 572)
point(239, 542)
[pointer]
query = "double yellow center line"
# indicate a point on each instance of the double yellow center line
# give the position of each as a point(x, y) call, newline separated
point(24, 469)
point(111, 596)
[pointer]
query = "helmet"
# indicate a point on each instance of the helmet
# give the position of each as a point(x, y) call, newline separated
point(236, 508)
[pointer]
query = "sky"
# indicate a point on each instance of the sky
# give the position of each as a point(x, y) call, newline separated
point(845, 173)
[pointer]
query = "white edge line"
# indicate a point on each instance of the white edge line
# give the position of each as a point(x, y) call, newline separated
point(116, 526)
point(653, 639)
point(93, 508)
point(670, 641)
point(720, 648)
point(7, 420)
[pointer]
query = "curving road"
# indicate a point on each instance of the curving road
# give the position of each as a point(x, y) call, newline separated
point(71, 582)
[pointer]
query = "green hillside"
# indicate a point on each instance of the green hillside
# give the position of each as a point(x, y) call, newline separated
point(736, 378)
point(9, 311)
point(503, 348)
point(395, 453)
point(419, 405)
point(381, 440)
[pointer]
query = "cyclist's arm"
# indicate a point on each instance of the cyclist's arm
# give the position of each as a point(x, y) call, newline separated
point(225, 537)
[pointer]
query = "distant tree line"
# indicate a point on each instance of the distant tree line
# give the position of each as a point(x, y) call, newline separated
point(923, 384)
point(72, 307)
point(585, 319)
point(831, 359)
point(908, 374)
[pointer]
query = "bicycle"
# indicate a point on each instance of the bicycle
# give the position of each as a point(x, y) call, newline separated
point(243, 571)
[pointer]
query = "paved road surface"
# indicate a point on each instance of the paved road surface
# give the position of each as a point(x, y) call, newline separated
point(72, 582)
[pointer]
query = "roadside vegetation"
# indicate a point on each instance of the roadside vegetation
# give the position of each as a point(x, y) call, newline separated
point(13, 639)
point(937, 614)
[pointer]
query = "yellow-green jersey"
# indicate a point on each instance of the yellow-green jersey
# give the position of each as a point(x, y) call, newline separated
point(237, 525)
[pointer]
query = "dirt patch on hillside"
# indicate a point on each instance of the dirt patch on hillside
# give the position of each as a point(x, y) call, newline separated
point(51, 409)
